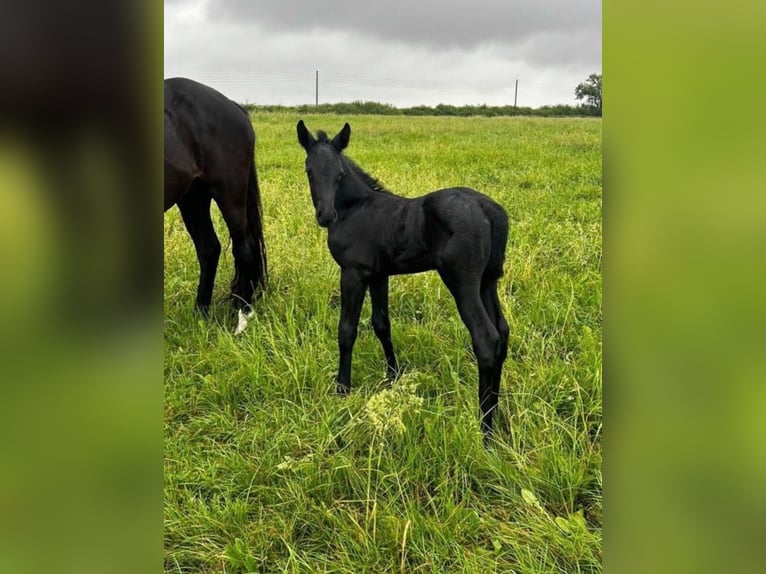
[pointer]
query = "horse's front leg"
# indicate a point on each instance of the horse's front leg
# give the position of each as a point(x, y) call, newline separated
point(352, 289)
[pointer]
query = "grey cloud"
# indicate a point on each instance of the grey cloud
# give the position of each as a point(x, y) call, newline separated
point(426, 22)
point(561, 48)
point(466, 52)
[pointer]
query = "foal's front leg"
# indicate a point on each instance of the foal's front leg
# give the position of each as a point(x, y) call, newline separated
point(352, 290)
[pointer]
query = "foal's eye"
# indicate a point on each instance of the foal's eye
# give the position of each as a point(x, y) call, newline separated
point(341, 174)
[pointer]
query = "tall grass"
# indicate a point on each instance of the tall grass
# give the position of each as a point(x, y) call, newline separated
point(266, 470)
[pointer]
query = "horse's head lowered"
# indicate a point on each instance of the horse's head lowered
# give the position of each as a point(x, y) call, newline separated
point(324, 169)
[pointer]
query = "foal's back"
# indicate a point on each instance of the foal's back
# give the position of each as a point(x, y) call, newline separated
point(465, 228)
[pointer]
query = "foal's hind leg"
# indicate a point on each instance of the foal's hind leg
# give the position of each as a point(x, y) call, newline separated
point(381, 324)
point(485, 339)
point(195, 211)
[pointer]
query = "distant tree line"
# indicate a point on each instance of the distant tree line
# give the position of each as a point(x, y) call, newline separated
point(377, 108)
point(589, 90)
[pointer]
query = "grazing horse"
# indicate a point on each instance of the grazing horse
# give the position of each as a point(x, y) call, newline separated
point(373, 234)
point(210, 154)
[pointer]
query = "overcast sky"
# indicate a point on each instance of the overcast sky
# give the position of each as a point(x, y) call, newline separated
point(402, 52)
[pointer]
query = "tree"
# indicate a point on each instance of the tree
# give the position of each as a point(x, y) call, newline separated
point(590, 91)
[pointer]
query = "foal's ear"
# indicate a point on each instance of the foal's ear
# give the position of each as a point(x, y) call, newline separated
point(304, 136)
point(341, 140)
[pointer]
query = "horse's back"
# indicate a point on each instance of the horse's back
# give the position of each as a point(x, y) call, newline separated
point(189, 99)
point(205, 125)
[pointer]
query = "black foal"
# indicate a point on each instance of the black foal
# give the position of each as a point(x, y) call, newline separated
point(373, 234)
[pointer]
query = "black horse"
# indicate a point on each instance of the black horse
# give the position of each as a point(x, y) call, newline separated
point(210, 154)
point(373, 234)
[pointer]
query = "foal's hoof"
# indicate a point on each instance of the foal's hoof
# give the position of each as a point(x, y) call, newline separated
point(392, 375)
point(342, 389)
point(488, 437)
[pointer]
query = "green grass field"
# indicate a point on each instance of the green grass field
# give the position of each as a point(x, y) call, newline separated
point(266, 470)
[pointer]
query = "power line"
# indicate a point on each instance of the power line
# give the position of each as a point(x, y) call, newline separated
point(361, 81)
point(354, 80)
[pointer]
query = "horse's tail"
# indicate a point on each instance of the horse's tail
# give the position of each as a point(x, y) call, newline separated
point(255, 228)
point(498, 219)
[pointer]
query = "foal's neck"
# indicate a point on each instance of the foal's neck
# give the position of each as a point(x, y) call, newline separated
point(353, 188)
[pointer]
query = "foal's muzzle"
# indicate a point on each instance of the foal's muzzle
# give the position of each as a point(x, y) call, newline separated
point(325, 217)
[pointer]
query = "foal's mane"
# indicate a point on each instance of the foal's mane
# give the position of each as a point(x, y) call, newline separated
point(369, 180)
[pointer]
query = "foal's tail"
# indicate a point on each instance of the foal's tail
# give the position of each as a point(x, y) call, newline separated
point(259, 275)
point(498, 219)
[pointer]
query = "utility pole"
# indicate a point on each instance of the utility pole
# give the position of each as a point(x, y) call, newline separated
point(516, 93)
point(316, 97)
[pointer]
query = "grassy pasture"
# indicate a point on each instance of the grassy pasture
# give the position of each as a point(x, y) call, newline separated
point(266, 470)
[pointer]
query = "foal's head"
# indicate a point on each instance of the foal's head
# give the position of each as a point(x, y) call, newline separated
point(324, 169)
